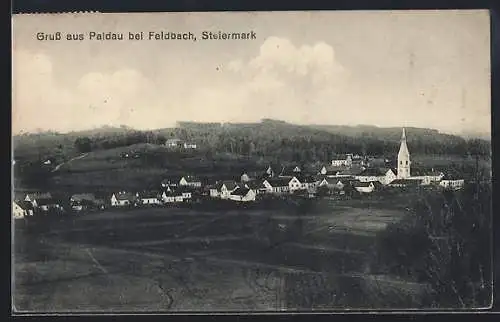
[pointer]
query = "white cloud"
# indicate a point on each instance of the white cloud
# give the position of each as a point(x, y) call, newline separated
point(283, 81)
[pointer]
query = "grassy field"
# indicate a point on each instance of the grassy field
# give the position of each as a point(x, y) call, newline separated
point(192, 260)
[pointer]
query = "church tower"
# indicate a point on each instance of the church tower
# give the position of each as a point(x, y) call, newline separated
point(403, 159)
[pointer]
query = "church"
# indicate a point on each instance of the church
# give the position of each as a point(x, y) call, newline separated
point(404, 172)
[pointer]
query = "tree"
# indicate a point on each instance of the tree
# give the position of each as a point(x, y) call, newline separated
point(83, 144)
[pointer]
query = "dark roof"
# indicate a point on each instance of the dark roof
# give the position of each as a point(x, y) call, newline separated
point(451, 176)
point(46, 201)
point(352, 171)
point(306, 179)
point(362, 184)
point(331, 180)
point(373, 172)
point(184, 189)
point(424, 172)
point(255, 184)
point(407, 182)
point(339, 157)
point(26, 205)
point(278, 182)
point(191, 179)
point(149, 194)
point(83, 196)
point(240, 191)
point(124, 196)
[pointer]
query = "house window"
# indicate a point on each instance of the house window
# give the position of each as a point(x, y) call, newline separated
point(401, 162)
point(406, 162)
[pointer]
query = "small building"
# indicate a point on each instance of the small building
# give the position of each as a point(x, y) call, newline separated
point(243, 194)
point(32, 197)
point(47, 204)
point(343, 160)
point(189, 145)
point(405, 183)
point(174, 143)
point(123, 199)
point(257, 186)
point(22, 209)
point(186, 192)
point(277, 185)
point(225, 188)
point(190, 181)
point(384, 176)
point(168, 196)
point(149, 198)
point(307, 182)
point(428, 177)
point(450, 182)
point(364, 187)
point(167, 183)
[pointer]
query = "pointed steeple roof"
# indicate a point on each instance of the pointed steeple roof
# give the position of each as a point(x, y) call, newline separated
point(403, 149)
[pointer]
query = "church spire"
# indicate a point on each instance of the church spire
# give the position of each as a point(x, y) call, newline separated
point(403, 158)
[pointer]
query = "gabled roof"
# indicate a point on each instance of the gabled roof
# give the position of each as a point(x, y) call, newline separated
point(278, 182)
point(255, 184)
point(373, 172)
point(125, 196)
point(191, 179)
point(25, 205)
point(230, 184)
point(407, 182)
point(306, 179)
point(46, 201)
point(331, 181)
point(240, 191)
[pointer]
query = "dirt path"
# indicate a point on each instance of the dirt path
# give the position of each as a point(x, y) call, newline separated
point(72, 159)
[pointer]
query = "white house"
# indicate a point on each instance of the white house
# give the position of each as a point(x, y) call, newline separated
point(342, 161)
point(223, 189)
point(189, 145)
point(122, 199)
point(173, 143)
point(427, 177)
point(150, 198)
point(333, 183)
point(185, 192)
point(243, 195)
point(190, 181)
point(452, 183)
point(46, 204)
point(294, 184)
point(21, 209)
point(307, 182)
point(364, 187)
point(277, 185)
point(376, 174)
point(409, 182)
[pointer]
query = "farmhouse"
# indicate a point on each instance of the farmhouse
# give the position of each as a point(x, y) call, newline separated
point(427, 176)
point(307, 182)
point(122, 199)
point(257, 186)
point(354, 171)
point(330, 171)
point(451, 182)
point(189, 145)
point(243, 194)
point(149, 198)
point(343, 160)
point(190, 181)
point(21, 209)
point(171, 197)
point(277, 185)
point(383, 176)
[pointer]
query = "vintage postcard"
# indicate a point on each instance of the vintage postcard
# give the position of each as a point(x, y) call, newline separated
point(251, 162)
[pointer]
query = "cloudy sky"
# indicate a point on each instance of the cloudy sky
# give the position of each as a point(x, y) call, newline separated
point(406, 68)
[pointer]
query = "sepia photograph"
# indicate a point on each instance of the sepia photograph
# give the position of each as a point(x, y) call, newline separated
point(253, 162)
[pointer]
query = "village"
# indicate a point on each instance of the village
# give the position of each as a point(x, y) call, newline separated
point(344, 176)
